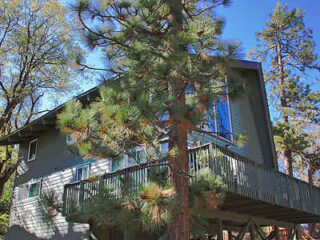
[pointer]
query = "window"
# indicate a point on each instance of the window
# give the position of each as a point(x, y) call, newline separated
point(34, 190)
point(119, 163)
point(133, 157)
point(164, 148)
point(140, 156)
point(32, 150)
point(223, 117)
point(29, 190)
point(82, 172)
point(218, 120)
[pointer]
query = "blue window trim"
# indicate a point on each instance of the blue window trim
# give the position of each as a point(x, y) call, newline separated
point(216, 132)
point(82, 166)
point(229, 121)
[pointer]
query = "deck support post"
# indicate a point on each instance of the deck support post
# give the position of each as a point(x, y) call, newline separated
point(220, 229)
point(297, 231)
point(260, 232)
point(244, 230)
point(277, 233)
point(252, 237)
point(291, 234)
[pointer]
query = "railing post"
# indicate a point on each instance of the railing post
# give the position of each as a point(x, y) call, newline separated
point(81, 193)
point(210, 160)
point(64, 200)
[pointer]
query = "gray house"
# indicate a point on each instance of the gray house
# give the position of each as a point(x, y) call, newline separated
point(258, 194)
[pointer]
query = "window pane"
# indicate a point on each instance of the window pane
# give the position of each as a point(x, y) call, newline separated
point(164, 117)
point(118, 163)
point(85, 171)
point(82, 173)
point(223, 117)
point(164, 148)
point(32, 150)
point(211, 122)
point(34, 190)
point(79, 174)
point(141, 156)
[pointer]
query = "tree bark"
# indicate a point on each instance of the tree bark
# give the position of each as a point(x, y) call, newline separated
point(178, 164)
point(283, 103)
point(5, 175)
point(178, 167)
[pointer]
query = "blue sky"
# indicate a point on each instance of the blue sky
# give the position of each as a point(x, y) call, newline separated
point(246, 17)
point(243, 19)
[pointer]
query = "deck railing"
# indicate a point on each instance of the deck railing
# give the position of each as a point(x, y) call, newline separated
point(242, 176)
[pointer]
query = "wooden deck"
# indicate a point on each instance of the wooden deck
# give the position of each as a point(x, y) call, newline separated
point(253, 189)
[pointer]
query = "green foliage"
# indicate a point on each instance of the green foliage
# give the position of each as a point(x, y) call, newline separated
point(4, 221)
point(157, 206)
point(149, 209)
point(199, 227)
point(5, 203)
point(147, 55)
point(206, 189)
point(51, 205)
point(241, 139)
point(37, 50)
point(158, 176)
point(154, 50)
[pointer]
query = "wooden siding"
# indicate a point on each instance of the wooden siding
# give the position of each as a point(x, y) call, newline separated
point(26, 215)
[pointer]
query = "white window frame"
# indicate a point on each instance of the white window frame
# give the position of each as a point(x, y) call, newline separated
point(35, 155)
point(33, 182)
point(87, 165)
point(27, 187)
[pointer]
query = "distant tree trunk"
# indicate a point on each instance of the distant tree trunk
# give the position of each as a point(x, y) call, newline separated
point(283, 103)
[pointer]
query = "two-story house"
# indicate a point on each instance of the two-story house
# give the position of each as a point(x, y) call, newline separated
point(258, 194)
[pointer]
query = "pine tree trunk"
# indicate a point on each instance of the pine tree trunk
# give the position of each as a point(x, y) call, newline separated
point(178, 164)
point(283, 104)
point(180, 227)
point(178, 167)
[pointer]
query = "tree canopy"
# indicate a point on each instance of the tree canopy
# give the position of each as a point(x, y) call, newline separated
point(37, 56)
point(169, 65)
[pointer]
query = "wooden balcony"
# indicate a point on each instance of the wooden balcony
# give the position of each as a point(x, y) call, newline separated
point(253, 189)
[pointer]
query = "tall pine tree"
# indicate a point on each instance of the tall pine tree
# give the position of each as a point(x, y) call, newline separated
point(287, 47)
point(157, 51)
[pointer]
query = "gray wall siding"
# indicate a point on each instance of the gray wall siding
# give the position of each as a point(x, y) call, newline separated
point(248, 116)
point(55, 166)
